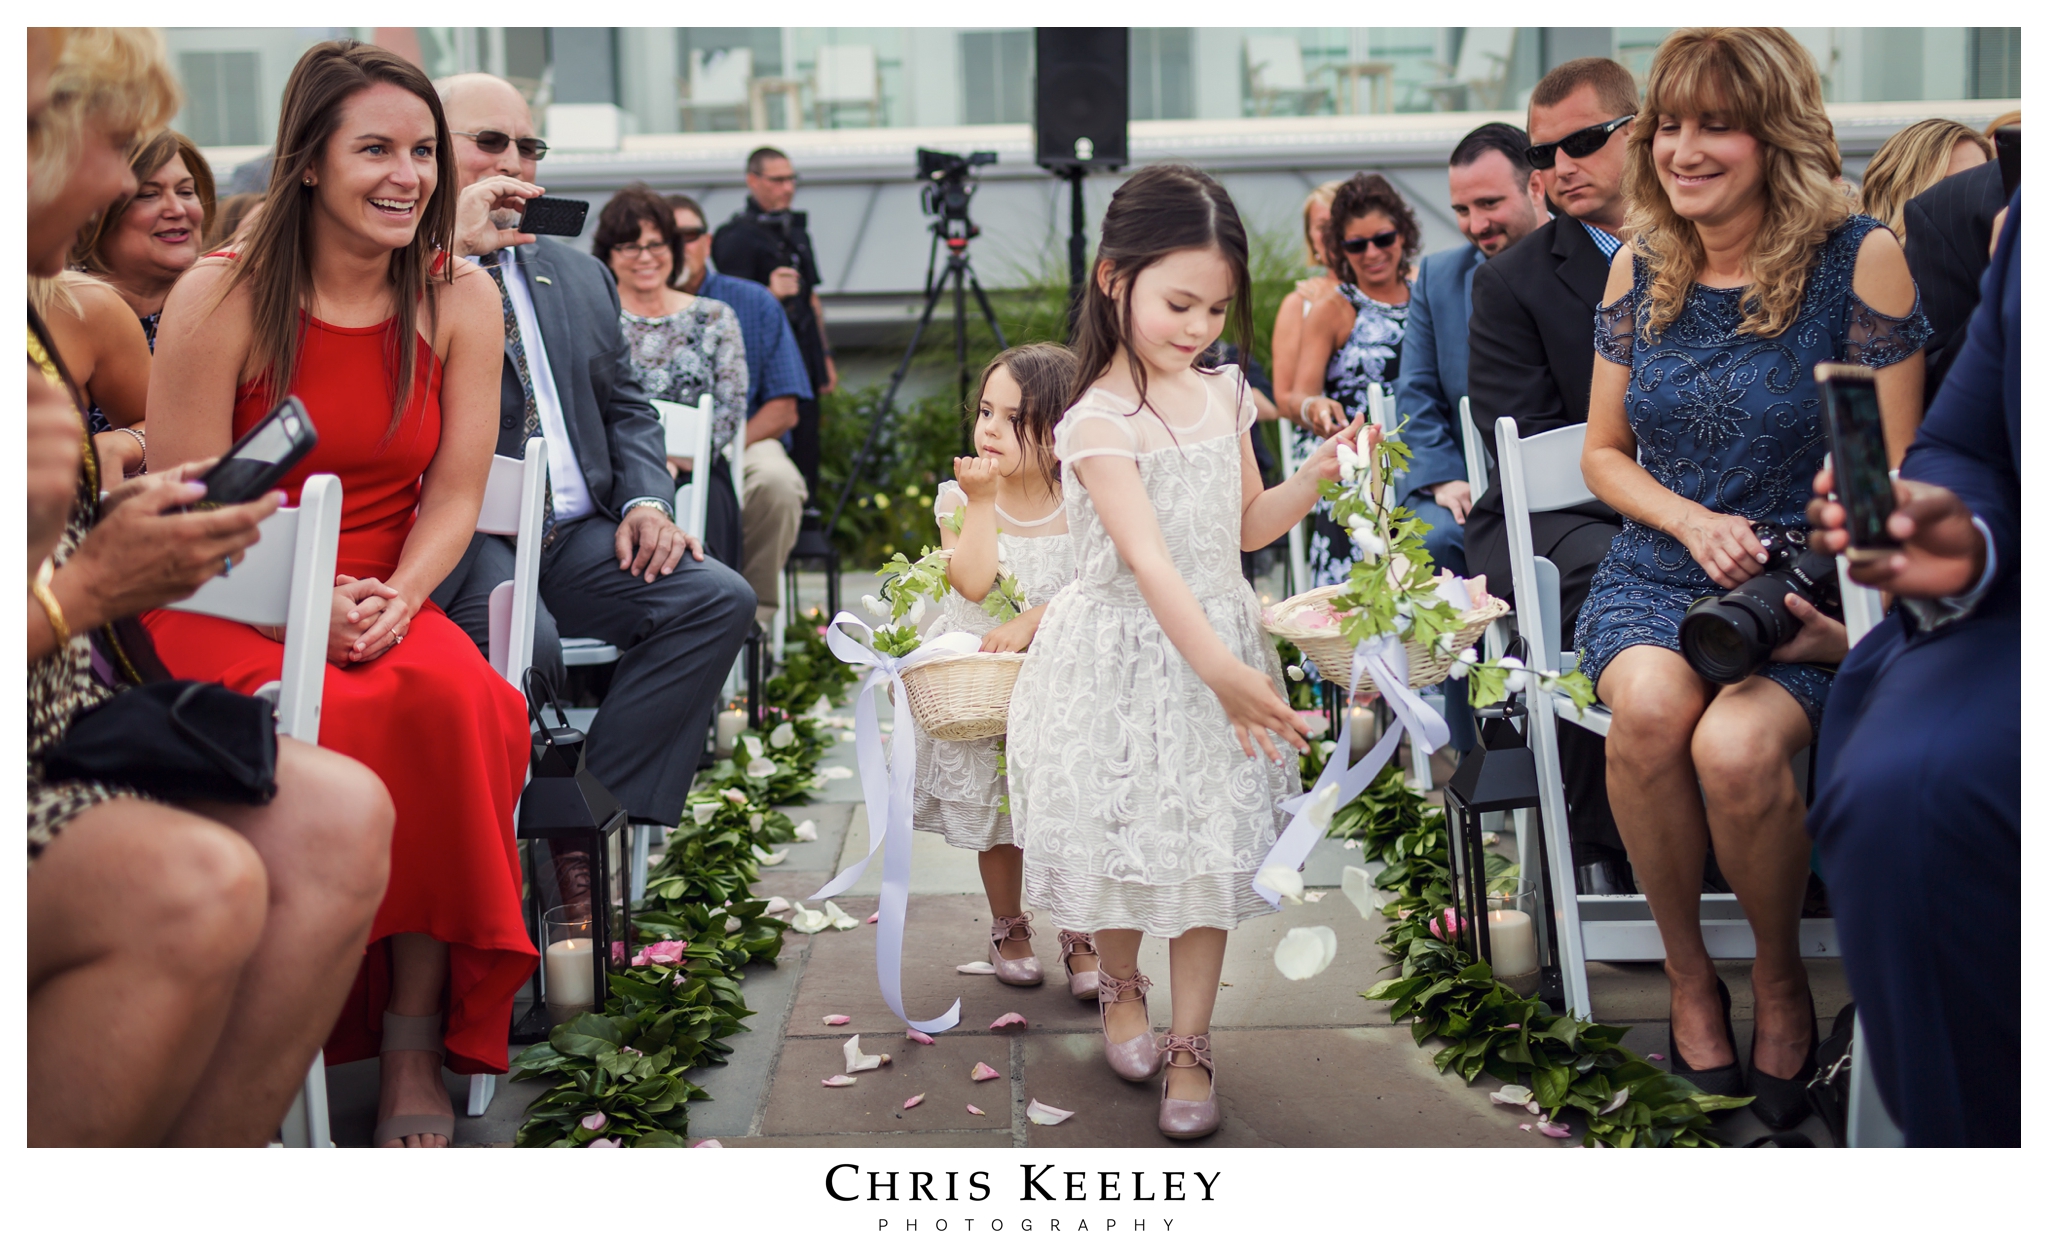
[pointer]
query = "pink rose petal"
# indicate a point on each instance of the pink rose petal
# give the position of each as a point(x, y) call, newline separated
point(977, 1111)
point(707, 1144)
point(874, 917)
point(983, 1072)
point(1046, 1115)
point(604, 1142)
point(914, 1034)
point(1008, 1019)
point(836, 1019)
point(1655, 1056)
point(840, 1081)
point(914, 1101)
point(1527, 1126)
point(1553, 1130)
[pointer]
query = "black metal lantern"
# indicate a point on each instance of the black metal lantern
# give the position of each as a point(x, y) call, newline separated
point(1498, 775)
point(580, 862)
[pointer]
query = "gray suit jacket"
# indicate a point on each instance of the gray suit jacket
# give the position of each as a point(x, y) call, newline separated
point(1433, 357)
point(615, 432)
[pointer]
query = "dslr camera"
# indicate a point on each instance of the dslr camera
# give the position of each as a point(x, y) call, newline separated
point(1726, 637)
point(945, 176)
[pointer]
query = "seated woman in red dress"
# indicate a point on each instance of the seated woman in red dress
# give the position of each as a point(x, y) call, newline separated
point(395, 348)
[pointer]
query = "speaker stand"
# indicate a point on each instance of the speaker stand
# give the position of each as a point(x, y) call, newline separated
point(1077, 248)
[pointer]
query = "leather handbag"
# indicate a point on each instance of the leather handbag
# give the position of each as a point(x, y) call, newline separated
point(174, 740)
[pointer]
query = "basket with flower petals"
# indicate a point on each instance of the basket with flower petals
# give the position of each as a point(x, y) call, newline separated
point(954, 698)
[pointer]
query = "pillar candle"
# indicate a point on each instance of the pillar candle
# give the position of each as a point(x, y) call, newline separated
point(731, 724)
point(1513, 937)
point(571, 977)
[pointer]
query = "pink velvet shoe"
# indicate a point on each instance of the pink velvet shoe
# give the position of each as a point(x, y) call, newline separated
point(1188, 1120)
point(1082, 983)
point(1022, 972)
point(1136, 1059)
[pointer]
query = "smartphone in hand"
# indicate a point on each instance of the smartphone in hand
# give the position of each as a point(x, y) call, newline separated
point(553, 216)
point(255, 464)
point(1863, 482)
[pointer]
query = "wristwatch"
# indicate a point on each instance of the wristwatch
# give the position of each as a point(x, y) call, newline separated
point(667, 508)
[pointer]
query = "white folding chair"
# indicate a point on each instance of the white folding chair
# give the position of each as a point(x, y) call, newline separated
point(687, 431)
point(1297, 536)
point(287, 578)
point(1541, 473)
point(1480, 476)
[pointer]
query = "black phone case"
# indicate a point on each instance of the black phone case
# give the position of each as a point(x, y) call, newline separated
point(554, 216)
point(1835, 413)
point(231, 480)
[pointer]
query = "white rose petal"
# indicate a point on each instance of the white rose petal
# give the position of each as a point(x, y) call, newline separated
point(766, 857)
point(1620, 1099)
point(857, 1061)
point(1512, 1094)
point(1359, 890)
point(1294, 673)
point(1045, 1115)
point(1281, 881)
point(823, 707)
point(762, 767)
point(734, 795)
point(703, 813)
point(753, 746)
point(776, 904)
point(782, 736)
point(755, 822)
point(835, 772)
point(808, 921)
point(1321, 810)
point(874, 605)
point(1306, 952)
point(806, 831)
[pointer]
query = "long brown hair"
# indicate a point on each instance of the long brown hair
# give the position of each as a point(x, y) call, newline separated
point(146, 156)
point(275, 260)
point(1761, 81)
point(1045, 376)
point(1160, 210)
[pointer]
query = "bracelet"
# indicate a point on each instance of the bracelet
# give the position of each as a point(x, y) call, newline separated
point(143, 466)
point(40, 589)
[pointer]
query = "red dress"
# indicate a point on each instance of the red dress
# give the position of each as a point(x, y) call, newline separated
point(446, 734)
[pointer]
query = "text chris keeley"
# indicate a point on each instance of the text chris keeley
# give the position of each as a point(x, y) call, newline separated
point(847, 1182)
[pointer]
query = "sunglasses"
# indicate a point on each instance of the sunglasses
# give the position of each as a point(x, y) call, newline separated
point(691, 235)
point(1385, 240)
point(1578, 144)
point(494, 142)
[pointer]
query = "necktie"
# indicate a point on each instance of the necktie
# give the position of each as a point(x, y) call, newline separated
point(494, 265)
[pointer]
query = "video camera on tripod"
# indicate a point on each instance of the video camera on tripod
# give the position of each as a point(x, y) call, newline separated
point(947, 188)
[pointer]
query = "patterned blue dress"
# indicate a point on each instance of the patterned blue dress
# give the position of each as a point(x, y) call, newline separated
point(1733, 423)
point(1370, 355)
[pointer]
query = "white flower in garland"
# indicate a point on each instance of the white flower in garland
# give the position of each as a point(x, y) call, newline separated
point(1516, 678)
point(1466, 659)
point(1349, 461)
point(875, 606)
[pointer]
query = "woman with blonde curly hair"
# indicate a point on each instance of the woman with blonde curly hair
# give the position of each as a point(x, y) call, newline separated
point(1743, 266)
point(1914, 160)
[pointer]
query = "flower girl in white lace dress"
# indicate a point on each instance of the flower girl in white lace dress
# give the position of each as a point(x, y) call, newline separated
point(1149, 740)
point(1003, 512)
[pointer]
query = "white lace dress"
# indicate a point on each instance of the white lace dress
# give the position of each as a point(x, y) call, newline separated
point(958, 786)
point(1140, 809)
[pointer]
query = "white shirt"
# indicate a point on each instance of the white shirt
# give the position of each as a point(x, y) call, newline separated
point(572, 492)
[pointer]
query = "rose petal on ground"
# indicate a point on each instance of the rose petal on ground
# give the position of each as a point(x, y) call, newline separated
point(1526, 1126)
point(763, 856)
point(1512, 1094)
point(776, 904)
point(874, 917)
point(857, 1061)
point(1046, 1115)
point(983, 1072)
point(976, 967)
point(977, 1111)
point(914, 1101)
point(836, 1019)
point(914, 1034)
point(809, 921)
point(1554, 1131)
point(840, 1081)
point(1312, 897)
point(806, 831)
point(1008, 1019)
point(707, 1144)
point(1305, 952)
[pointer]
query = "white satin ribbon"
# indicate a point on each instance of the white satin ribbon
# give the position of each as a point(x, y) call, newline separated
point(890, 793)
point(1386, 661)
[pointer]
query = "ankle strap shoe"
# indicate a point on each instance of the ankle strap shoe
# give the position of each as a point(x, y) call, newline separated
point(1083, 984)
point(1023, 971)
point(1136, 1059)
point(1188, 1120)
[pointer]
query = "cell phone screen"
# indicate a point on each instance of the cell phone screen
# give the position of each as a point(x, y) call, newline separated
point(263, 455)
point(1863, 480)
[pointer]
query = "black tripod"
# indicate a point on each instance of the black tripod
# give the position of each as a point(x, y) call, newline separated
point(955, 229)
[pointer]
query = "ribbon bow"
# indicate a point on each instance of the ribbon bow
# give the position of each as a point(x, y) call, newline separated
point(1386, 661)
point(890, 792)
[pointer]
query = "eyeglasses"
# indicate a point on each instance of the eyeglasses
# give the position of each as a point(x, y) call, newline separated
point(659, 249)
point(691, 235)
point(1385, 240)
point(1583, 143)
point(789, 178)
point(494, 142)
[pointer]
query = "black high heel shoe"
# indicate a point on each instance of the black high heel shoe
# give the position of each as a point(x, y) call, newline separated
point(1783, 1103)
point(1715, 1080)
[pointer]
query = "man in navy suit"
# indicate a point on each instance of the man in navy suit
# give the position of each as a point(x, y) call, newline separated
point(1498, 200)
point(1917, 816)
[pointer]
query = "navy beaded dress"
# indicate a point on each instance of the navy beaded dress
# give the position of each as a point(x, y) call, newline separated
point(1731, 421)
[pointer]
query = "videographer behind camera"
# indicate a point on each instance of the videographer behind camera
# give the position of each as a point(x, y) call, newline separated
point(770, 244)
point(1713, 322)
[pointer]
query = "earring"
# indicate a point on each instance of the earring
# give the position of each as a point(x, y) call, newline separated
point(308, 181)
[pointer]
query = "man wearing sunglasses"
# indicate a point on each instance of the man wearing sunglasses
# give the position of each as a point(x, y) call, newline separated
point(613, 565)
point(1531, 356)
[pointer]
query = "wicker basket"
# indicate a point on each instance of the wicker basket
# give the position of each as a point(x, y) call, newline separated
point(963, 697)
point(1331, 650)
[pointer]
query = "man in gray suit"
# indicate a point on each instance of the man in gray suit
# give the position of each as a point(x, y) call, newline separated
point(1498, 200)
point(613, 564)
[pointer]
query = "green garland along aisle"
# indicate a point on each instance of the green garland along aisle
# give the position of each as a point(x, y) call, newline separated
point(616, 1076)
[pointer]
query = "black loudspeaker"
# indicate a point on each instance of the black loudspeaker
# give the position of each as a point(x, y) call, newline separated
point(1084, 97)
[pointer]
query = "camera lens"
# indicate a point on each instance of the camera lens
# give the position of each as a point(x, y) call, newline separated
point(1722, 640)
